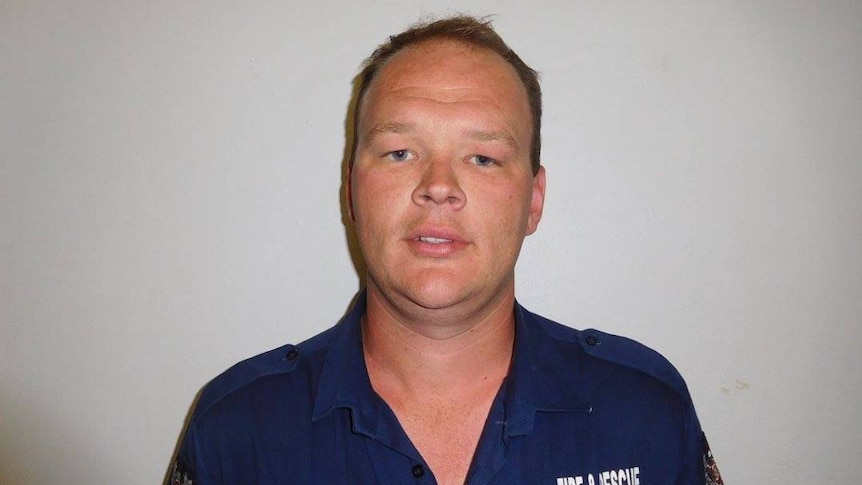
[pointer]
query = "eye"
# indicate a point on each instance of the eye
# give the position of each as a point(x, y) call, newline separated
point(400, 155)
point(483, 161)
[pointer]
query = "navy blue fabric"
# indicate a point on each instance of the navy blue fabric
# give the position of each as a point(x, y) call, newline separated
point(578, 408)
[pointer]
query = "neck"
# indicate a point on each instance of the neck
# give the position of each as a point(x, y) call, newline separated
point(441, 356)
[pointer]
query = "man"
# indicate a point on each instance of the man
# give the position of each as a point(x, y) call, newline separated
point(437, 375)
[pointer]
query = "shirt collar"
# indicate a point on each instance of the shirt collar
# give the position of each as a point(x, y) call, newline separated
point(544, 377)
point(344, 381)
point(545, 374)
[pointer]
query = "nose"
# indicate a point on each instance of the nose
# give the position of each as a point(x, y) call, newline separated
point(439, 186)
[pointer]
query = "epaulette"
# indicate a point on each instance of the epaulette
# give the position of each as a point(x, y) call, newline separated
point(276, 361)
point(627, 352)
point(615, 349)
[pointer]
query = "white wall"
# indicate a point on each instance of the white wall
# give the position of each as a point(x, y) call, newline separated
point(169, 204)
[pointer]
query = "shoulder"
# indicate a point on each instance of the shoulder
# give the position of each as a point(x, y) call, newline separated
point(635, 395)
point(275, 388)
point(246, 376)
point(613, 351)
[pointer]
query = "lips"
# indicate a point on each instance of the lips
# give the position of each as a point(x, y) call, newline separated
point(435, 234)
point(435, 242)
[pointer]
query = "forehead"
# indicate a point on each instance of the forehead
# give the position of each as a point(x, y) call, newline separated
point(447, 71)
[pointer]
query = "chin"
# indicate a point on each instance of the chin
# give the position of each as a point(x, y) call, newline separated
point(435, 293)
point(435, 298)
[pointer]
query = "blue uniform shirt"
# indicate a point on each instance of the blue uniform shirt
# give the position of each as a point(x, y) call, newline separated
point(577, 408)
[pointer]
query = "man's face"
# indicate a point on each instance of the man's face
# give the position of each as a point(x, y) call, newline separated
point(442, 190)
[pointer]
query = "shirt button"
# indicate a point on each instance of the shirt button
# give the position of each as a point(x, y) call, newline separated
point(593, 341)
point(292, 354)
point(418, 471)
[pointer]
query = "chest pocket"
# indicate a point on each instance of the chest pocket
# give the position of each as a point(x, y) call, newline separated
point(562, 444)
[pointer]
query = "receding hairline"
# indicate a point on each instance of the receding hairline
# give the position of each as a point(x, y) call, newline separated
point(432, 43)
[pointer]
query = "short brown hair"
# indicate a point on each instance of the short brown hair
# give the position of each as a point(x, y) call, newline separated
point(468, 30)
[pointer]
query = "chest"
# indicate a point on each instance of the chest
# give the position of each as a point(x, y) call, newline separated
point(562, 448)
point(446, 435)
point(286, 444)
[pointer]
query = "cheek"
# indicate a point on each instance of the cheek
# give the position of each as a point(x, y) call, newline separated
point(375, 198)
point(506, 203)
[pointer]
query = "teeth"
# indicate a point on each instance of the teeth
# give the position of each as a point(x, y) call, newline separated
point(433, 240)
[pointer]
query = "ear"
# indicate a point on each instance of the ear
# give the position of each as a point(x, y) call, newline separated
point(537, 201)
point(348, 191)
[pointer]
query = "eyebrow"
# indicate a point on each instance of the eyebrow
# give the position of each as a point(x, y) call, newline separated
point(391, 127)
point(397, 128)
point(494, 136)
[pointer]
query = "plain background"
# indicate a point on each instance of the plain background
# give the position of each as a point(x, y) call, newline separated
point(170, 180)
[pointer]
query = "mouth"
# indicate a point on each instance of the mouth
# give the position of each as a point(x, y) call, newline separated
point(433, 240)
point(436, 242)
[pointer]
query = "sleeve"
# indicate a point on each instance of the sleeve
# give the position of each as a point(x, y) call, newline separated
point(699, 467)
point(187, 468)
point(710, 469)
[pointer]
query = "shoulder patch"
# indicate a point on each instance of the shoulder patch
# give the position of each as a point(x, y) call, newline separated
point(711, 474)
point(182, 473)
